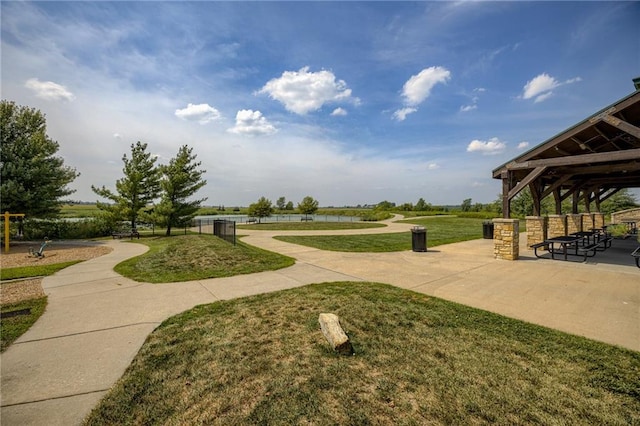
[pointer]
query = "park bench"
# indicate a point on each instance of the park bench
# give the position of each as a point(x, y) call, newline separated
point(604, 242)
point(126, 234)
point(306, 219)
point(591, 248)
point(252, 220)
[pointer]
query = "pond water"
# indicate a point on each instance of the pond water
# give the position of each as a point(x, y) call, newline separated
point(243, 218)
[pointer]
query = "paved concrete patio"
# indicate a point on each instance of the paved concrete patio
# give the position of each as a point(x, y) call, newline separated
point(96, 320)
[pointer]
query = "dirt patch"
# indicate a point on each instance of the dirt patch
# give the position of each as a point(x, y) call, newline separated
point(17, 291)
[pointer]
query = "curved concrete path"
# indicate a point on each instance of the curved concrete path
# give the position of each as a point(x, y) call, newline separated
point(96, 320)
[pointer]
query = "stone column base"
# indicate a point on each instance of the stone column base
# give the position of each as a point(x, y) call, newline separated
point(506, 239)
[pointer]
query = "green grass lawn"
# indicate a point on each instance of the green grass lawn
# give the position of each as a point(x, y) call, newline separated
point(440, 230)
point(311, 226)
point(16, 326)
point(34, 271)
point(194, 257)
point(418, 360)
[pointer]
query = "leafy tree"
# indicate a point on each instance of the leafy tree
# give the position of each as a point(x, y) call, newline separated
point(308, 206)
point(421, 206)
point(33, 179)
point(289, 206)
point(407, 207)
point(181, 178)
point(261, 208)
point(621, 200)
point(281, 203)
point(137, 189)
point(385, 205)
point(466, 205)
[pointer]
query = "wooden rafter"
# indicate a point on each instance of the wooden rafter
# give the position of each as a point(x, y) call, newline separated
point(628, 154)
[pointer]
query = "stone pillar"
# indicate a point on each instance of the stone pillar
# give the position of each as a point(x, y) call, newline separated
point(587, 221)
point(598, 220)
point(574, 223)
point(506, 239)
point(557, 225)
point(536, 229)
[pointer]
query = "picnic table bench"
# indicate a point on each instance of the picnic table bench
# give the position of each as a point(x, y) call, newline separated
point(306, 219)
point(579, 243)
point(636, 255)
point(252, 220)
point(126, 234)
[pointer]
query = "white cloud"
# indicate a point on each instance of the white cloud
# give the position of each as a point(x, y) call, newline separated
point(477, 184)
point(302, 91)
point(339, 112)
point(249, 122)
point(402, 113)
point(492, 146)
point(418, 87)
point(433, 166)
point(467, 108)
point(202, 113)
point(117, 136)
point(523, 145)
point(543, 97)
point(49, 90)
point(541, 87)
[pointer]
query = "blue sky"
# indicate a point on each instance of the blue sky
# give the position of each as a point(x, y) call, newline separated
point(348, 102)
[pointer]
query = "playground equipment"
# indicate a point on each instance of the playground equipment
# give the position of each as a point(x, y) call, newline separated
point(7, 216)
point(40, 253)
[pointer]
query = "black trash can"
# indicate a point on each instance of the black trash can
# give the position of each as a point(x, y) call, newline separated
point(487, 230)
point(418, 238)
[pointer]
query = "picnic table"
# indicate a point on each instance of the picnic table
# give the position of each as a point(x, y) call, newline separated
point(562, 244)
point(636, 256)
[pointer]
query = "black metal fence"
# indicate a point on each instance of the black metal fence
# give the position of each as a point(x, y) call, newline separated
point(225, 229)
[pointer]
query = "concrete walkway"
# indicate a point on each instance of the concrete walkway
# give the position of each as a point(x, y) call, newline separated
point(96, 320)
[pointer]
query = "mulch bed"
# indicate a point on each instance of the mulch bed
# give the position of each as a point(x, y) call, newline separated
point(56, 252)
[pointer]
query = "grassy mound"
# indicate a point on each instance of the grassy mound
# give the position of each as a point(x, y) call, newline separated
point(194, 257)
point(419, 360)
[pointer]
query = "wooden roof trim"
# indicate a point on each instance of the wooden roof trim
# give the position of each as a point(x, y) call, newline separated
point(616, 107)
point(628, 154)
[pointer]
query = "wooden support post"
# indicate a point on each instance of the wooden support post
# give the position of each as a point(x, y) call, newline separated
point(558, 199)
point(330, 326)
point(574, 201)
point(507, 185)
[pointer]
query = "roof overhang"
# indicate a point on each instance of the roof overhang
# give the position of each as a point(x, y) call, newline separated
point(599, 154)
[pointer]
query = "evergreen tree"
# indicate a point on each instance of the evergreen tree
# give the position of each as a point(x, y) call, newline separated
point(137, 189)
point(181, 178)
point(33, 179)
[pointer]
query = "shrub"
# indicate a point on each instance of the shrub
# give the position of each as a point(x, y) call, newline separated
point(37, 229)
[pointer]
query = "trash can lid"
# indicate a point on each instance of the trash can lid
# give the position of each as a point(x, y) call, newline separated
point(418, 228)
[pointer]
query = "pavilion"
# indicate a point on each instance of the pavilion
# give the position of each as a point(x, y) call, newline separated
point(588, 162)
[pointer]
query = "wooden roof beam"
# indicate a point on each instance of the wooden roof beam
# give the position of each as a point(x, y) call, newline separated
point(556, 185)
point(621, 167)
point(628, 154)
point(526, 181)
point(617, 122)
point(583, 145)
